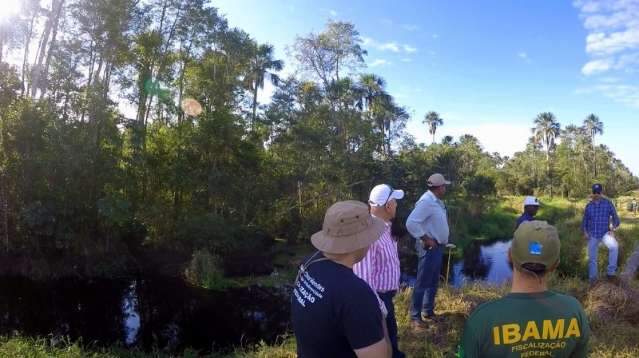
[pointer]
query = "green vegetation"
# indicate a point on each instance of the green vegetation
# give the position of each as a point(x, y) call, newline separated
point(197, 163)
point(610, 308)
point(195, 166)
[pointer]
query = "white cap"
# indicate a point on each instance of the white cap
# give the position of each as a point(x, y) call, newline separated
point(531, 200)
point(382, 193)
point(437, 180)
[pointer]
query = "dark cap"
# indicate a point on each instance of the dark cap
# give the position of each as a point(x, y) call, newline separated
point(597, 189)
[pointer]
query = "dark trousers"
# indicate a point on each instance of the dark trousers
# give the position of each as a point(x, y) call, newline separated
point(391, 323)
point(428, 269)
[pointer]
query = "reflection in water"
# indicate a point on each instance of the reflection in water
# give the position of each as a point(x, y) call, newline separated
point(485, 263)
point(149, 313)
point(131, 316)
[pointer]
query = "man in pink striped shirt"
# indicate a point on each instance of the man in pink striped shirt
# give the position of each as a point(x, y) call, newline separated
point(380, 266)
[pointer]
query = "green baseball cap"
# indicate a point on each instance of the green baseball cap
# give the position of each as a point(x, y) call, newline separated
point(535, 242)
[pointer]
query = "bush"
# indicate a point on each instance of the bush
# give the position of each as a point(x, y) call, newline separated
point(205, 270)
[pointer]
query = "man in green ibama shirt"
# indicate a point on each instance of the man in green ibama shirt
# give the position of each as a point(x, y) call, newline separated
point(530, 321)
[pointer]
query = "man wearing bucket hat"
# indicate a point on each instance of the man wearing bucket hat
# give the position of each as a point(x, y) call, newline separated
point(531, 206)
point(380, 266)
point(428, 224)
point(531, 321)
point(598, 225)
point(334, 312)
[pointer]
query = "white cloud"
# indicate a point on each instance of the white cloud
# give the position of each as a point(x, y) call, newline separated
point(607, 44)
point(406, 59)
point(391, 46)
point(333, 13)
point(612, 44)
point(410, 49)
point(524, 56)
point(435, 36)
point(623, 93)
point(379, 62)
point(410, 27)
point(596, 66)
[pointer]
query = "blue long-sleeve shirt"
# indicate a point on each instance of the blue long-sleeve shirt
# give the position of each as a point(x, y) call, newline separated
point(596, 221)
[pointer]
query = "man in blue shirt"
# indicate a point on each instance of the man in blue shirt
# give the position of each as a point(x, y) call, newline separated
point(596, 226)
point(531, 206)
point(428, 224)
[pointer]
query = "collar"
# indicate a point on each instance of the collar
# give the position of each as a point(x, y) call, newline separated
point(387, 223)
point(432, 196)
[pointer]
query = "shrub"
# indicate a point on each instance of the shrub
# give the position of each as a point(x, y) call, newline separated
point(205, 270)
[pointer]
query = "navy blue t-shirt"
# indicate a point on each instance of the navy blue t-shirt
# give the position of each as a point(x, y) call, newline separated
point(523, 218)
point(334, 312)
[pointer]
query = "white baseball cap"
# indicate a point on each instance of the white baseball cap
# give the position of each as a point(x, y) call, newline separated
point(382, 193)
point(531, 200)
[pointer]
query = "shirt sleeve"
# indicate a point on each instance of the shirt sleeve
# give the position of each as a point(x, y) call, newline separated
point(417, 217)
point(584, 221)
point(615, 217)
point(362, 318)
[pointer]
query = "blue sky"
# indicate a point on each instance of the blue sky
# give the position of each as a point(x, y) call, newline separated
point(488, 67)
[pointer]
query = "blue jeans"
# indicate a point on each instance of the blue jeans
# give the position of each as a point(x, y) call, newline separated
point(613, 252)
point(428, 270)
point(391, 322)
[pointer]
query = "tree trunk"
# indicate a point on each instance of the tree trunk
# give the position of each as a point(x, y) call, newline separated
point(45, 71)
point(254, 105)
point(4, 208)
point(25, 58)
point(594, 153)
point(88, 85)
point(42, 48)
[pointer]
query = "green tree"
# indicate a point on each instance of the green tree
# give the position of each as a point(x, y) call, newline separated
point(260, 67)
point(325, 54)
point(433, 121)
point(593, 126)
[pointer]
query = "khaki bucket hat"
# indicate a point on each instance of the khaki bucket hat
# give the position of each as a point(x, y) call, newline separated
point(348, 227)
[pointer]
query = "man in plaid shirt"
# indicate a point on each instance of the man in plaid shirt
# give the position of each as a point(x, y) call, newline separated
point(597, 229)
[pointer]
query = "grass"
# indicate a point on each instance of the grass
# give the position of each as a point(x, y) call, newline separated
point(612, 310)
point(611, 336)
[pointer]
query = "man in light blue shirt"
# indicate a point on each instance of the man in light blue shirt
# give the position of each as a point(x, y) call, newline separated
point(428, 224)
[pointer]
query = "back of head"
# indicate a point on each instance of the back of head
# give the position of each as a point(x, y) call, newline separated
point(535, 248)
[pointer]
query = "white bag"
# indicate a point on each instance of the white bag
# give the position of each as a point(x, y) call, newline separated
point(610, 241)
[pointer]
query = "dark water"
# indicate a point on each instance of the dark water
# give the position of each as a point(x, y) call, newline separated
point(482, 263)
point(150, 312)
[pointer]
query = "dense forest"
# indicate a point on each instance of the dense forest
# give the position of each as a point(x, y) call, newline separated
point(131, 124)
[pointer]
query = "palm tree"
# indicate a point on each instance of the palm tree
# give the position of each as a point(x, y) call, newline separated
point(546, 130)
point(260, 67)
point(593, 126)
point(433, 121)
point(378, 104)
point(372, 88)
